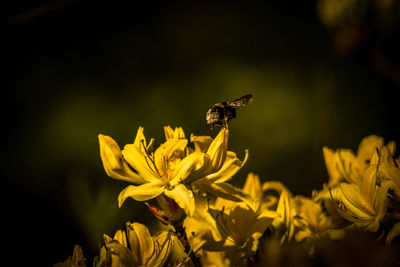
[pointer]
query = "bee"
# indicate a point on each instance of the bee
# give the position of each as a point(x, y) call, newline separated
point(221, 113)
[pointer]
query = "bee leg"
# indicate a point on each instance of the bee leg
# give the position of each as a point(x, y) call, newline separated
point(225, 120)
point(225, 124)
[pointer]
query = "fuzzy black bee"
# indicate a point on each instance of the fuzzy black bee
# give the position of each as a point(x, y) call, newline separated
point(221, 113)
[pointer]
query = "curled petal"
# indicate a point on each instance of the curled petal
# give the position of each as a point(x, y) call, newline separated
point(303, 234)
point(350, 196)
point(218, 149)
point(141, 193)
point(276, 186)
point(113, 162)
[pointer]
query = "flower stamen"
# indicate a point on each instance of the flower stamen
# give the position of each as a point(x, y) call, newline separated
point(148, 156)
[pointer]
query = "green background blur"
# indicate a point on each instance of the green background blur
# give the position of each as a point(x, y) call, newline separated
point(75, 69)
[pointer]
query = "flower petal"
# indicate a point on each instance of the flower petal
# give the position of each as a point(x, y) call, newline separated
point(164, 245)
point(139, 137)
point(122, 256)
point(331, 160)
point(347, 166)
point(177, 133)
point(201, 143)
point(366, 149)
point(171, 150)
point(395, 231)
point(218, 149)
point(263, 221)
point(231, 165)
point(356, 206)
point(141, 193)
point(145, 245)
point(183, 197)
point(168, 132)
point(381, 200)
point(120, 236)
point(303, 234)
point(140, 140)
point(140, 162)
point(284, 210)
point(113, 162)
point(229, 192)
point(368, 186)
point(252, 187)
point(177, 252)
point(193, 165)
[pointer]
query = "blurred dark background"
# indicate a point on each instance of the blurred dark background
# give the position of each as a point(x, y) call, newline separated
point(322, 73)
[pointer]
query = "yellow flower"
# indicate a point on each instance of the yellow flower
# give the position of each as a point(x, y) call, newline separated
point(172, 167)
point(311, 222)
point(299, 217)
point(344, 166)
point(243, 223)
point(228, 225)
point(136, 247)
point(160, 172)
point(223, 165)
point(241, 227)
point(365, 204)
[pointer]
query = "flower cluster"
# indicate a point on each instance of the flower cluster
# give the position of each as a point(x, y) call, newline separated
point(365, 187)
point(208, 222)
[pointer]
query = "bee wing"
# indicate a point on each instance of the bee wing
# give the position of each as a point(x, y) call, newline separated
point(241, 101)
